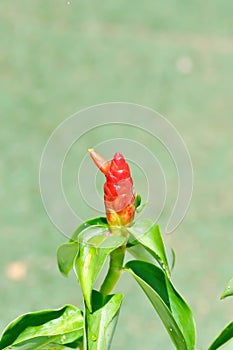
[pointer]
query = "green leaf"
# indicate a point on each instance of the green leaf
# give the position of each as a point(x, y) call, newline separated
point(78, 343)
point(223, 337)
point(102, 221)
point(137, 200)
point(148, 234)
point(96, 243)
point(170, 306)
point(61, 326)
point(139, 206)
point(228, 291)
point(66, 254)
point(41, 343)
point(101, 323)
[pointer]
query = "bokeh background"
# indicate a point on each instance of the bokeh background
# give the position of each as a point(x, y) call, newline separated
point(59, 57)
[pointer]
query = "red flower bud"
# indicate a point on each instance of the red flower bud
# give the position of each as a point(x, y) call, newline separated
point(119, 196)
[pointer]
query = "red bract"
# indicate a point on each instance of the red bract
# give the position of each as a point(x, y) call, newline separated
point(119, 196)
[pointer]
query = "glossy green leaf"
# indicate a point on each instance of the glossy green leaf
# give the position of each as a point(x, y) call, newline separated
point(100, 324)
point(138, 203)
point(40, 328)
point(148, 234)
point(170, 306)
point(223, 337)
point(102, 221)
point(137, 200)
point(66, 254)
point(50, 342)
point(228, 291)
point(96, 243)
point(77, 344)
point(41, 343)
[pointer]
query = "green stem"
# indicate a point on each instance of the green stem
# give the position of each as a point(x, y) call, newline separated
point(114, 271)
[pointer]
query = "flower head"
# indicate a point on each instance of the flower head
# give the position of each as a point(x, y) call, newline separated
point(119, 196)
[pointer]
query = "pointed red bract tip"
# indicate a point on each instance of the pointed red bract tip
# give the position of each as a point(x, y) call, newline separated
point(102, 163)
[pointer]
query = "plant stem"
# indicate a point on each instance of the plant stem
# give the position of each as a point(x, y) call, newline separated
point(114, 271)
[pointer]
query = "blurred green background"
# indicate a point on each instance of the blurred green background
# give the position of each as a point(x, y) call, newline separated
point(173, 56)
